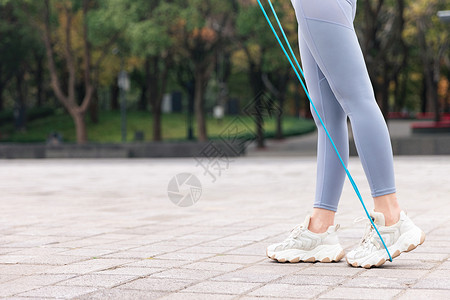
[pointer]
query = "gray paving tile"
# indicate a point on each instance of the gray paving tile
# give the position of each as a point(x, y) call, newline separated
point(360, 293)
point(196, 296)
point(254, 274)
point(157, 263)
point(87, 266)
point(139, 271)
point(7, 277)
point(396, 273)
point(53, 259)
point(98, 280)
point(237, 259)
point(264, 298)
point(423, 257)
point(186, 274)
point(329, 270)
point(410, 264)
point(7, 289)
point(184, 256)
point(433, 283)
point(312, 280)
point(158, 284)
point(135, 240)
point(58, 292)
point(221, 287)
point(212, 266)
point(381, 282)
point(420, 294)
point(40, 279)
point(123, 294)
point(288, 291)
point(444, 266)
point(442, 274)
point(89, 252)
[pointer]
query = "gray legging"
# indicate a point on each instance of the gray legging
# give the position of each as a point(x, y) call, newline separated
point(340, 87)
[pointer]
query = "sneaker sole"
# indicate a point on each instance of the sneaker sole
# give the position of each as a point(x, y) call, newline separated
point(323, 254)
point(394, 249)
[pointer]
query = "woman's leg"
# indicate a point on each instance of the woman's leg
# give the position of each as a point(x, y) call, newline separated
point(327, 29)
point(330, 173)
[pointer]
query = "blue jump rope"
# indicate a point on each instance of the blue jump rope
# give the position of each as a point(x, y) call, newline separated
point(315, 110)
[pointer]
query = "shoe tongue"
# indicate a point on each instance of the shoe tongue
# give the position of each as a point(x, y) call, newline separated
point(306, 222)
point(378, 218)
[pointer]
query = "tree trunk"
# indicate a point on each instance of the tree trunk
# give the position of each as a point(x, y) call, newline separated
point(424, 92)
point(282, 83)
point(93, 108)
point(1, 95)
point(39, 79)
point(115, 95)
point(80, 126)
point(157, 81)
point(143, 101)
point(19, 113)
point(157, 122)
point(2, 86)
point(257, 84)
point(200, 85)
point(432, 95)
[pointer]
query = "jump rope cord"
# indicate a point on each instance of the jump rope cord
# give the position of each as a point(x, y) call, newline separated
point(315, 110)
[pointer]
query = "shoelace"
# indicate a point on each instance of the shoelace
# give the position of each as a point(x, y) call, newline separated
point(295, 233)
point(369, 234)
point(297, 230)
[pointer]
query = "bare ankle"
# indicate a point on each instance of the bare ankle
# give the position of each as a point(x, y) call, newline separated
point(388, 205)
point(391, 217)
point(320, 220)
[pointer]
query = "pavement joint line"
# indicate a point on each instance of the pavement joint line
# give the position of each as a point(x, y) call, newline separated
point(189, 285)
point(261, 284)
point(215, 239)
point(205, 258)
point(190, 262)
point(306, 266)
point(247, 234)
point(332, 287)
point(420, 278)
point(41, 286)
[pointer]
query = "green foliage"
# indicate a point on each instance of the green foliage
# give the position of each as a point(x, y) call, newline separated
point(187, 33)
point(7, 116)
point(108, 130)
point(253, 29)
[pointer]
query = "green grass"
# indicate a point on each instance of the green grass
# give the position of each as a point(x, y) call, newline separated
point(174, 127)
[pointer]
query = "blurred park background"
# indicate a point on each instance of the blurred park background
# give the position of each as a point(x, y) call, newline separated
point(110, 71)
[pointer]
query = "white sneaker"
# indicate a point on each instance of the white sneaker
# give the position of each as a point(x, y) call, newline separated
point(304, 245)
point(401, 237)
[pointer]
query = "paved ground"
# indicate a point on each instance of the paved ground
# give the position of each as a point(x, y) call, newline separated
point(106, 229)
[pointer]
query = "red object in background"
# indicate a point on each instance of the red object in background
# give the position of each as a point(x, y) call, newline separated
point(430, 116)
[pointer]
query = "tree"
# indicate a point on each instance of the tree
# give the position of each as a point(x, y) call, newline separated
point(151, 35)
point(73, 17)
point(147, 28)
point(20, 59)
point(432, 40)
point(202, 28)
point(380, 25)
point(266, 67)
